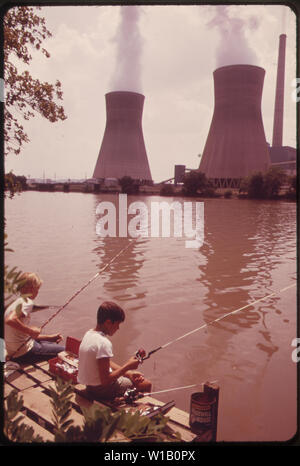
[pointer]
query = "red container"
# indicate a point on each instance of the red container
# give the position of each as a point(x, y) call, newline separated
point(72, 345)
point(55, 367)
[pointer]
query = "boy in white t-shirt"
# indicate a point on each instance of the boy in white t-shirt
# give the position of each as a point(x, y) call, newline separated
point(104, 378)
point(25, 343)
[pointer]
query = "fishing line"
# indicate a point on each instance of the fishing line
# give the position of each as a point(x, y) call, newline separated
point(179, 388)
point(88, 283)
point(220, 318)
point(79, 291)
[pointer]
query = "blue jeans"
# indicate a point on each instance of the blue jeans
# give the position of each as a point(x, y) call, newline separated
point(41, 351)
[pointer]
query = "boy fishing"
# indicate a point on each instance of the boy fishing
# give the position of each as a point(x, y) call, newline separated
point(25, 343)
point(104, 378)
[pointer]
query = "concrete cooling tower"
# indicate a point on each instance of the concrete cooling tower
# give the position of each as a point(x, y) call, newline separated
point(236, 145)
point(123, 151)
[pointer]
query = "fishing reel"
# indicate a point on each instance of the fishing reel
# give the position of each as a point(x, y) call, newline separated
point(140, 355)
point(131, 395)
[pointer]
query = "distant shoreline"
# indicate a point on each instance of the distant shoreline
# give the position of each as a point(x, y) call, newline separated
point(155, 190)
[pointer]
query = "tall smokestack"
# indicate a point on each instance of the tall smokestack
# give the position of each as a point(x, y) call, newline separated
point(123, 151)
point(236, 145)
point(279, 96)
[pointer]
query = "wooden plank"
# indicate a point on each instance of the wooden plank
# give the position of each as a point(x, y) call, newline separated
point(186, 434)
point(37, 380)
point(20, 381)
point(7, 389)
point(38, 374)
point(42, 364)
point(38, 405)
point(179, 420)
point(38, 430)
point(36, 402)
point(175, 414)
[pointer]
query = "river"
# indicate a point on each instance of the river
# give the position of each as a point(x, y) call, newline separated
point(167, 290)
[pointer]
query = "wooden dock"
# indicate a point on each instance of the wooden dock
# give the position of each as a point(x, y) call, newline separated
point(32, 382)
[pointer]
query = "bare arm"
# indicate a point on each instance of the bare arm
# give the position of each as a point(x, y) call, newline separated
point(55, 337)
point(17, 323)
point(38, 308)
point(108, 377)
point(34, 332)
point(133, 375)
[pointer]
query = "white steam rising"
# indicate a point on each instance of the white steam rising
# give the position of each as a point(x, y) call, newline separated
point(127, 73)
point(233, 47)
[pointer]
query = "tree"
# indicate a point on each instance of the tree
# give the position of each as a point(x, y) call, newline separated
point(273, 181)
point(129, 185)
point(256, 188)
point(292, 188)
point(263, 186)
point(167, 190)
point(196, 183)
point(24, 95)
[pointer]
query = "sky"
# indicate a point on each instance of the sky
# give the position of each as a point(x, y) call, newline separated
point(166, 52)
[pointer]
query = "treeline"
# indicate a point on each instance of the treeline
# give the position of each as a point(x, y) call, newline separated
point(14, 183)
point(256, 186)
point(269, 185)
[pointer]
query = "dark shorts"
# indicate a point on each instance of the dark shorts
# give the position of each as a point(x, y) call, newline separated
point(118, 388)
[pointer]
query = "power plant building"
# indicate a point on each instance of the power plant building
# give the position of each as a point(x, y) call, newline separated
point(281, 156)
point(236, 145)
point(123, 151)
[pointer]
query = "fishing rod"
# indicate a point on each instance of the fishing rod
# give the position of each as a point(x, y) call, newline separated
point(132, 394)
point(108, 264)
point(60, 308)
point(141, 353)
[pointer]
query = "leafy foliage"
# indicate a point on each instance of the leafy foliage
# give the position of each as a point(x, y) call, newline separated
point(129, 185)
point(264, 186)
point(101, 424)
point(14, 429)
point(61, 403)
point(196, 183)
point(12, 278)
point(292, 190)
point(167, 190)
point(14, 184)
point(24, 31)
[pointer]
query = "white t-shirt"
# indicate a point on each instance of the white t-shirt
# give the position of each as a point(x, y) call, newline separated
point(14, 338)
point(94, 345)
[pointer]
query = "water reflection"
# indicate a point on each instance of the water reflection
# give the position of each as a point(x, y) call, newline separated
point(121, 280)
point(240, 263)
point(122, 277)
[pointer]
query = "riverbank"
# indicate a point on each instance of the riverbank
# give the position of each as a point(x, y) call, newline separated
point(154, 190)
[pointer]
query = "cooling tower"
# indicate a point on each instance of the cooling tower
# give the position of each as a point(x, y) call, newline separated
point(279, 95)
point(123, 151)
point(236, 145)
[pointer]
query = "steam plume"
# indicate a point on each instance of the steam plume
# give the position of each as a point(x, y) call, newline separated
point(127, 74)
point(233, 48)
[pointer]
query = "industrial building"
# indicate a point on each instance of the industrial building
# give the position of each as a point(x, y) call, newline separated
point(281, 156)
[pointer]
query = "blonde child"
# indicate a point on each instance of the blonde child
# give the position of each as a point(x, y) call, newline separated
point(25, 343)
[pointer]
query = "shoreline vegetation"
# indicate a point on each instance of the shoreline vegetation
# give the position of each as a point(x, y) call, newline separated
point(272, 185)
